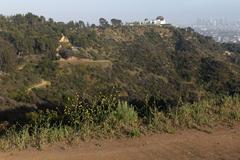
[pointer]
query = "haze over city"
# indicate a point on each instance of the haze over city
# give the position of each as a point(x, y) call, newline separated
point(175, 11)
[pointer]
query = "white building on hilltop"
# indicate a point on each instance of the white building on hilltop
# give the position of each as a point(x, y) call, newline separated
point(160, 20)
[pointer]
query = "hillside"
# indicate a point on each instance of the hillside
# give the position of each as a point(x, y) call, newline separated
point(68, 81)
point(166, 63)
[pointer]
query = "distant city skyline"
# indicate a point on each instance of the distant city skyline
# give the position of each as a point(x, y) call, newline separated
point(182, 12)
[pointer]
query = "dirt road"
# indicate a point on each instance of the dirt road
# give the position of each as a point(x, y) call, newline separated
point(221, 144)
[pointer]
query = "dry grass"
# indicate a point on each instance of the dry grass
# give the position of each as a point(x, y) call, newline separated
point(110, 118)
point(85, 62)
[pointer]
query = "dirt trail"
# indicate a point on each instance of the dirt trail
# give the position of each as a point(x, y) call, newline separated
point(85, 61)
point(41, 84)
point(221, 144)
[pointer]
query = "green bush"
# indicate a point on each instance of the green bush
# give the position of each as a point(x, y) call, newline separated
point(78, 112)
point(125, 114)
point(8, 56)
point(159, 121)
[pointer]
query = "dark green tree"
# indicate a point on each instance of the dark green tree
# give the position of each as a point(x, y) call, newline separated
point(103, 22)
point(7, 56)
point(116, 22)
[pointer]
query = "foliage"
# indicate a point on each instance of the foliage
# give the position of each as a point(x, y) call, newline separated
point(116, 22)
point(7, 56)
point(125, 114)
point(112, 117)
point(164, 62)
point(103, 22)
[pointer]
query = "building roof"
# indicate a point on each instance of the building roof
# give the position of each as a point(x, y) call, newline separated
point(160, 18)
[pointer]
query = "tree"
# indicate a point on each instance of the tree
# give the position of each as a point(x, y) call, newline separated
point(81, 24)
point(19, 19)
point(88, 25)
point(32, 19)
point(7, 56)
point(103, 22)
point(65, 53)
point(71, 24)
point(116, 22)
point(50, 20)
point(42, 19)
point(93, 26)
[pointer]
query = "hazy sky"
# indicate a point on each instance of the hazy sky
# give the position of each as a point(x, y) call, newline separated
point(175, 11)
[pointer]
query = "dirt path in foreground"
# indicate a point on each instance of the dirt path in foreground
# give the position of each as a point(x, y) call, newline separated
point(221, 144)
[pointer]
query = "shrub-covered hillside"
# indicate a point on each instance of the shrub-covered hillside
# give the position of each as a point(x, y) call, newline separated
point(166, 64)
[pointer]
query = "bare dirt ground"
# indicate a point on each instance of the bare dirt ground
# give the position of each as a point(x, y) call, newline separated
point(222, 143)
point(41, 84)
point(85, 61)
